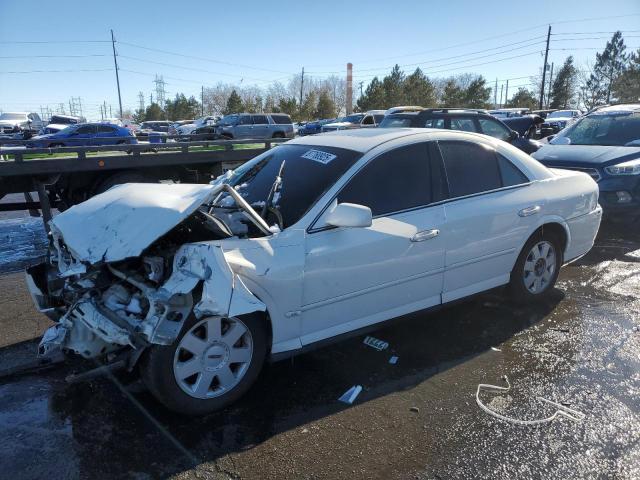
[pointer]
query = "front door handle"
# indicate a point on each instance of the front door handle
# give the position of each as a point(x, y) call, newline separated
point(525, 212)
point(425, 235)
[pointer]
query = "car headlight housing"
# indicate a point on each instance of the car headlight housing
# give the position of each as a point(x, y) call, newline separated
point(632, 167)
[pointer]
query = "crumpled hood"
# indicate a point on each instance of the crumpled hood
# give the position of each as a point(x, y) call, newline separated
point(11, 123)
point(591, 155)
point(121, 222)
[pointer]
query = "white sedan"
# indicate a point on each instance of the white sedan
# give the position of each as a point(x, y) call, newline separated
point(318, 237)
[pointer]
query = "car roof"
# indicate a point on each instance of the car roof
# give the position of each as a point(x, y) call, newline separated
point(363, 140)
point(624, 107)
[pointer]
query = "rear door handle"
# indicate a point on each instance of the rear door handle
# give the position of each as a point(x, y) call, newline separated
point(425, 235)
point(525, 212)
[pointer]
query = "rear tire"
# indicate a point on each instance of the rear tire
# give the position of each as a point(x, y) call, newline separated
point(213, 380)
point(536, 270)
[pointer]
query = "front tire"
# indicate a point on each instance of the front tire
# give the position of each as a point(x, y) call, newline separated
point(536, 270)
point(213, 362)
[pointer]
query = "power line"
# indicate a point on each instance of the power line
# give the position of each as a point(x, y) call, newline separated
point(55, 56)
point(54, 41)
point(58, 71)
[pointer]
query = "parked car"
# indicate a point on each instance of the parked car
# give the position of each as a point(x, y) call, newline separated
point(206, 132)
point(372, 118)
point(527, 126)
point(59, 122)
point(311, 128)
point(255, 125)
point(403, 108)
point(154, 126)
point(503, 113)
point(543, 113)
point(189, 128)
point(20, 124)
point(173, 128)
point(317, 238)
point(83, 135)
point(606, 145)
point(559, 119)
point(461, 119)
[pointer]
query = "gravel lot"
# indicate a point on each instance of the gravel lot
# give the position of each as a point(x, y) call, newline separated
point(416, 419)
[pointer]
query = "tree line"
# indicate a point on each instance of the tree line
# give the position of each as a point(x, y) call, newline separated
point(614, 76)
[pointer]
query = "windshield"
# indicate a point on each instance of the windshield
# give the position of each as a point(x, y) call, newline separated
point(395, 122)
point(309, 172)
point(13, 116)
point(561, 113)
point(611, 129)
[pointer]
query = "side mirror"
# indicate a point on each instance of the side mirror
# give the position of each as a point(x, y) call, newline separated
point(349, 215)
point(550, 137)
point(513, 135)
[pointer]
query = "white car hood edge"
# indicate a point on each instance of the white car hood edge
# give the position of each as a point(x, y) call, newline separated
point(123, 221)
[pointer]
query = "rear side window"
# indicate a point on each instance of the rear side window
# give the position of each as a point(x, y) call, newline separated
point(281, 119)
point(464, 124)
point(394, 181)
point(86, 130)
point(494, 129)
point(471, 168)
point(245, 120)
point(395, 122)
point(368, 120)
point(260, 119)
point(106, 129)
point(511, 175)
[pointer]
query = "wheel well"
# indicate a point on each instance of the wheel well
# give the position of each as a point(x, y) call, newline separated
point(556, 230)
point(267, 321)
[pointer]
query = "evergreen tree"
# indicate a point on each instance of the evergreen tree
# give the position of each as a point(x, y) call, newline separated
point(392, 85)
point(182, 108)
point(326, 107)
point(477, 94)
point(374, 96)
point(564, 86)
point(610, 64)
point(452, 95)
point(523, 98)
point(288, 106)
point(308, 107)
point(154, 112)
point(234, 103)
point(418, 90)
point(626, 88)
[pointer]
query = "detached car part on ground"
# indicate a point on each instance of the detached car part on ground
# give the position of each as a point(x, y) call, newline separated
point(196, 285)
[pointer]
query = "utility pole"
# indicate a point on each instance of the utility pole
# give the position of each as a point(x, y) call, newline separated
point(501, 90)
point(141, 101)
point(202, 102)
point(550, 83)
point(115, 62)
point(495, 95)
point(544, 69)
point(506, 93)
point(104, 102)
point(361, 83)
point(301, 86)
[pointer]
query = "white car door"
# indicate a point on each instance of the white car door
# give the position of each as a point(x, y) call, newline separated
point(489, 213)
point(355, 277)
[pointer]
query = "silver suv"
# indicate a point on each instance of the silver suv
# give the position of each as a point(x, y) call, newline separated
point(255, 125)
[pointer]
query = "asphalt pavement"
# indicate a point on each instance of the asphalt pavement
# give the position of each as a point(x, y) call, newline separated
point(416, 419)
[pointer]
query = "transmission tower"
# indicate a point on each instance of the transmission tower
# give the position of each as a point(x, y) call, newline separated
point(160, 92)
point(141, 100)
point(75, 106)
point(61, 109)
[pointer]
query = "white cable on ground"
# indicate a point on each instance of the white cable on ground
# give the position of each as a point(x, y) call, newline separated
point(562, 410)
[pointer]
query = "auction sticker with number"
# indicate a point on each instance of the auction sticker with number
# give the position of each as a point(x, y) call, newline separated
point(319, 156)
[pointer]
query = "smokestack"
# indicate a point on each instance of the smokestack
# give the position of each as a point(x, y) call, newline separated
point(349, 88)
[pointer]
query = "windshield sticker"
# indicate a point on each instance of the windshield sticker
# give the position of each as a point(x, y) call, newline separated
point(318, 156)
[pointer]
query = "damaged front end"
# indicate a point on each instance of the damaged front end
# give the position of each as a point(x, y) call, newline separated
point(110, 305)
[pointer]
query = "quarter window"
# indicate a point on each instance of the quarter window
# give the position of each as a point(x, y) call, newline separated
point(394, 181)
point(510, 174)
point(434, 123)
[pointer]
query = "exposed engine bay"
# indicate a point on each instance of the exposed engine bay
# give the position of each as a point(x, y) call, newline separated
point(103, 307)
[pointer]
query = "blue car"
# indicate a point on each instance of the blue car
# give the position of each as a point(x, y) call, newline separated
point(606, 145)
point(311, 128)
point(85, 135)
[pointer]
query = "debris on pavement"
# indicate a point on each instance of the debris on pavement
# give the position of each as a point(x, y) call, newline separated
point(376, 343)
point(393, 360)
point(564, 411)
point(350, 395)
point(495, 349)
point(414, 409)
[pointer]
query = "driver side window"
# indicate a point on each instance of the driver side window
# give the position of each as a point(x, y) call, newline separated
point(394, 181)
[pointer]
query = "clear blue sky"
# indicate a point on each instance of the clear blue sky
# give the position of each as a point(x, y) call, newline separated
point(276, 39)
